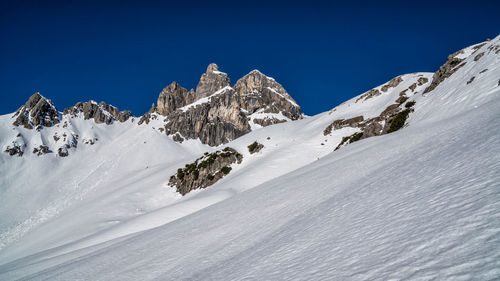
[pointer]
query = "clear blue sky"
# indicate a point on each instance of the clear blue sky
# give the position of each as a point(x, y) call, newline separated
point(125, 52)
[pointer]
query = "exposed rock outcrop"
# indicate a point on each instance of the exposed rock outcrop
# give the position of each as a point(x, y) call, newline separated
point(100, 112)
point(173, 97)
point(16, 146)
point(267, 121)
point(391, 84)
point(391, 119)
point(478, 56)
point(261, 93)
point(211, 81)
point(446, 70)
point(216, 121)
point(15, 149)
point(341, 123)
point(255, 147)
point(217, 113)
point(205, 171)
point(349, 139)
point(368, 95)
point(40, 150)
point(62, 151)
point(37, 111)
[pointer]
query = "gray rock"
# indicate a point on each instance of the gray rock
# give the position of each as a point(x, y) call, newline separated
point(15, 149)
point(445, 71)
point(62, 152)
point(478, 56)
point(267, 121)
point(100, 112)
point(261, 93)
point(376, 126)
point(342, 123)
point(215, 122)
point(40, 150)
point(422, 80)
point(173, 97)
point(37, 111)
point(392, 84)
point(255, 147)
point(211, 81)
point(205, 171)
point(368, 95)
point(224, 116)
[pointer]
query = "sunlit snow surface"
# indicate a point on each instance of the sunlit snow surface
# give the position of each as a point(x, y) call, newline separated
point(422, 203)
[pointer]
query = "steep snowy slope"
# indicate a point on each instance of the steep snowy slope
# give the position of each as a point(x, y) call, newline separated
point(419, 203)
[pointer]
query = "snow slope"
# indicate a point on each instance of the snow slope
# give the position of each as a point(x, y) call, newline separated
point(420, 203)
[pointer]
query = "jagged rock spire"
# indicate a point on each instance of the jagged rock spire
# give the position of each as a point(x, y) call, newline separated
point(211, 81)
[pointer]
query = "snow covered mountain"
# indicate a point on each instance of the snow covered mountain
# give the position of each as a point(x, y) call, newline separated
point(400, 182)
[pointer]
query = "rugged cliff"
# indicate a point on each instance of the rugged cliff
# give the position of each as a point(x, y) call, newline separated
point(217, 113)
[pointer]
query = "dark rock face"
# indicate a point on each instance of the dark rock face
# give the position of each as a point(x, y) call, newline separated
point(217, 113)
point(37, 111)
point(445, 71)
point(205, 171)
point(100, 112)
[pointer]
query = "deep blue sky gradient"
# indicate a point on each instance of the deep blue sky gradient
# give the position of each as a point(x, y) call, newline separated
point(125, 52)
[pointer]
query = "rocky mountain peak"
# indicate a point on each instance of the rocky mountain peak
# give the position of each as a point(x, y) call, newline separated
point(212, 68)
point(256, 82)
point(173, 97)
point(211, 81)
point(37, 111)
point(261, 93)
point(217, 113)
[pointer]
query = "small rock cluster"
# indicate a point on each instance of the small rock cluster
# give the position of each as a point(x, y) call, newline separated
point(15, 149)
point(255, 147)
point(205, 171)
point(40, 150)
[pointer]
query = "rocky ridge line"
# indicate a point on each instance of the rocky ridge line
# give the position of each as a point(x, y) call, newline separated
point(100, 112)
point(217, 113)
